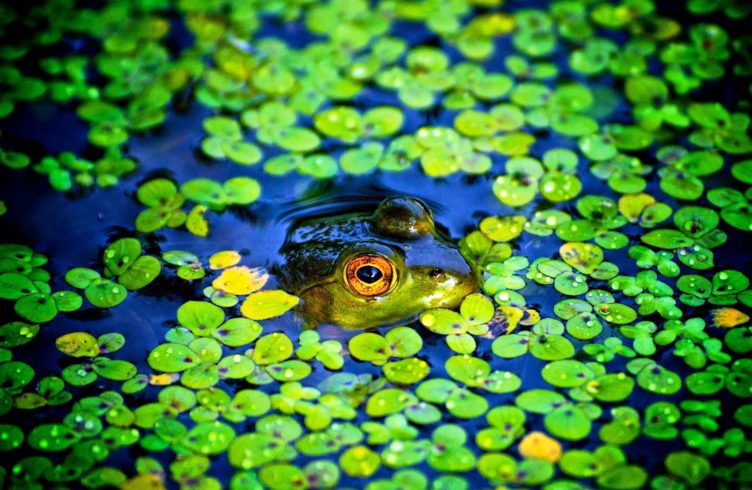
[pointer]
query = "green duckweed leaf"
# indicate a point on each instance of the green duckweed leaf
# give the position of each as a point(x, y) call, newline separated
point(79, 374)
point(14, 334)
point(208, 438)
point(14, 286)
point(37, 308)
point(272, 348)
point(560, 186)
point(624, 427)
point(114, 369)
point(406, 371)
point(462, 343)
point(252, 450)
point(388, 401)
point(404, 341)
point(657, 379)
point(566, 373)
point(241, 152)
point(667, 239)
point(690, 467)
point(241, 191)
point(362, 160)
point(292, 370)
point(444, 322)
point(359, 461)
point(568, 422)
point(237, 332)
point(121, 255)
point(52, 437)
point(511, 346)
point(104, 293)
point(11, 437)
point(370, 347)
point(200, 317)
point(318, 166)
point(340, 122)
point(157, 193)
point(296, 139)
point(551, 347)
point(466, 404)
point(141, 273)
point(539, 400)
point(468, 370)
point(627, 477)
point(172, 358)
point(382, 121)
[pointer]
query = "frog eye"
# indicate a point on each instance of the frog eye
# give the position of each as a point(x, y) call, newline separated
point(369, 275)
point(403, 217)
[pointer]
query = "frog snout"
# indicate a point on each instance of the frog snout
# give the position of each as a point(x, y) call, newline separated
point(464, 279)
point(437, 274)
point(468, 282)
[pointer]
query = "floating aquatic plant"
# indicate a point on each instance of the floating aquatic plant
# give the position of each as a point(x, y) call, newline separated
point(611, 182)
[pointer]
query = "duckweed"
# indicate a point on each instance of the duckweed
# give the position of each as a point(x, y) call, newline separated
point(604, 148)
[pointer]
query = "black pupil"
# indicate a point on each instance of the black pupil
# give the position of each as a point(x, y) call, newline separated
point(369, 274)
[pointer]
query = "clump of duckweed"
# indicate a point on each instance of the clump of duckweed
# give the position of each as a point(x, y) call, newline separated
point(616, 179)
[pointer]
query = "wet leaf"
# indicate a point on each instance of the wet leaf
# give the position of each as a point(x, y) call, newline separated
point(199, 317)
point(267, 304)
point(172, 358)
point(272, 348)
point(78, 344)
point(104, 293)
point(222, 260)
point(241, 280)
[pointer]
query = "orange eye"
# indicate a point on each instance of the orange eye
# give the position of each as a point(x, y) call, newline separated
point(369, 275)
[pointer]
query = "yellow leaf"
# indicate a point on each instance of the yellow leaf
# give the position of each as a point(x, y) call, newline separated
point(585, 257)
point(163, 379)
point(224, 259)
point(530, 317)
point(632, 205)
point(196, 223)
point(241, 280)
point(144, 482)
point(268, 304)
point(728, 317)
point(538, 445)
point(490, 25)
point(504, 322)
point(78, 344)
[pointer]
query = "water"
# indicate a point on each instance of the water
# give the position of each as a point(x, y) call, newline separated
point(73, 229)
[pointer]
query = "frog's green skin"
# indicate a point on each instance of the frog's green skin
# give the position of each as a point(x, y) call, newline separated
point(430, 271)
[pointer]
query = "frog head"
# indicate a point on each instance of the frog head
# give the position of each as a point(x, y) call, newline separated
point(364, 270)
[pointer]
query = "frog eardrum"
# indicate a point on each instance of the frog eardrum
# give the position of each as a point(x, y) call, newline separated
point(361, 270)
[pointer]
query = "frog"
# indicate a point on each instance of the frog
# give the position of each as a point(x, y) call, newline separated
point(361, 270)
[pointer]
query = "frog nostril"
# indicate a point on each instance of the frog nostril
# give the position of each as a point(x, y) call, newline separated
point(436, 272)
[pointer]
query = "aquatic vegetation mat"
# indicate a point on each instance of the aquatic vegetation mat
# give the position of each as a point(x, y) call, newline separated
point(591, 158)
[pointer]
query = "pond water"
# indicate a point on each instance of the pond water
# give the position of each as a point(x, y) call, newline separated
point(590, 159)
